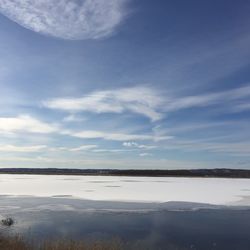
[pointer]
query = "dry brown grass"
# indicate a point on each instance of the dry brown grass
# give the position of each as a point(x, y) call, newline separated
point(13, 243)
point(17, 243)
point(81, 245)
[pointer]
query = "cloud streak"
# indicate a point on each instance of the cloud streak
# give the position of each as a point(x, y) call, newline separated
point(140, 100)
point(93, 134)
point(74, 20)
point(83, 148)
point(209, 99)
point(22, 149)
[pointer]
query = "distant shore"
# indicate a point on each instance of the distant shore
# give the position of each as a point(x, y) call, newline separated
point(209, 173)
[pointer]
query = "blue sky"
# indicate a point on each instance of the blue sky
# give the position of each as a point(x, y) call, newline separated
point(124, 84)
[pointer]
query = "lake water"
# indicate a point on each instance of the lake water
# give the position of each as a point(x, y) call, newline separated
point(144, 213)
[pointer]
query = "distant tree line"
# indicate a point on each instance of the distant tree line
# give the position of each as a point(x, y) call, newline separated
point(222, 172)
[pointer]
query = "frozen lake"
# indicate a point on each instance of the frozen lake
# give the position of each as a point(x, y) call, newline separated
point(216, 191)
point(142, 212)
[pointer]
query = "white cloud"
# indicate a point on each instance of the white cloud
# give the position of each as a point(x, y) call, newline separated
point(92, 134)
point(22, 149)
point(130, 144)
point(83, 148)
point(141, 100)
point(147, 147)
point(75, 19)
point(90, 148)
point(145, 154)
point(140, 146)
point(73, 118)
point(24, 123)
point(110, 150)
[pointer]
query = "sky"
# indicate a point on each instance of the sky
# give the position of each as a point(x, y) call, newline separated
point(125, 84)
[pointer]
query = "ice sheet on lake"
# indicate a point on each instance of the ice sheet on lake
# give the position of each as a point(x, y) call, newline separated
point(215, 191)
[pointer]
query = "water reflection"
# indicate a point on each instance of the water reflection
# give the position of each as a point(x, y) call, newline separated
point(139, 226)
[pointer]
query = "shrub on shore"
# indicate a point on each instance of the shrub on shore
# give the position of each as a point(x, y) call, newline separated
point(7, 222)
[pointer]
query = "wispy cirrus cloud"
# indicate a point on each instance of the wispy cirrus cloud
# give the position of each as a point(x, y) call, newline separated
point(147, 101)
point(27, 124)
point(241, 107)
point(204, 100)
point(75, 19)
point(140, 100)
